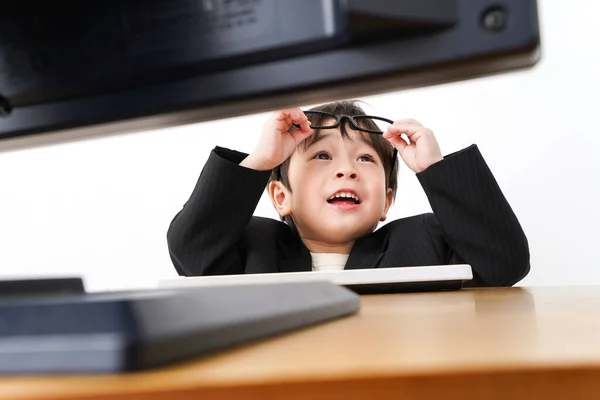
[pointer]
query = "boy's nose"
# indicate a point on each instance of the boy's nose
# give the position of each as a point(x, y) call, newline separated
point(345, 168)
point(346, 173)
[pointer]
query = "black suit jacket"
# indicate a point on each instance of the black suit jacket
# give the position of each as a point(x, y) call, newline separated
point(472, 223)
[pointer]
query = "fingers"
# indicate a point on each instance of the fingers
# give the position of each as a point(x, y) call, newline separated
point(285, 119)
point(300, 135)
point(398, 142)
point(400, 132)
point(405, 133)
point(409, 127)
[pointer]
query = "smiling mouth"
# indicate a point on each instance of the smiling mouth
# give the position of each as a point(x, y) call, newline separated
point(344, 198)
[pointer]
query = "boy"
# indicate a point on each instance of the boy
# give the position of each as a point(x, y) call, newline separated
point(332, 186)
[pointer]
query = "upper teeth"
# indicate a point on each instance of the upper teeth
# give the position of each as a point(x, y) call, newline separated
point(344, 194)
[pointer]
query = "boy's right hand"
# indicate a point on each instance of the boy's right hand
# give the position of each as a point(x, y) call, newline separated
point(276, 143)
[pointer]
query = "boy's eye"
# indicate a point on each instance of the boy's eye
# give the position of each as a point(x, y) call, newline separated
point(322, 156)
point(366, 158)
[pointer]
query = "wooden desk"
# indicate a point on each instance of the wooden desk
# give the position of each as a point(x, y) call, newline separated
point(539, 343)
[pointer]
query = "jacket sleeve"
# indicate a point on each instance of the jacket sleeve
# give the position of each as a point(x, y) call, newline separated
point(475, 220)
point(203, 237)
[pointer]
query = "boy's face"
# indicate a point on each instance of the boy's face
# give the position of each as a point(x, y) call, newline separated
point(338, 191)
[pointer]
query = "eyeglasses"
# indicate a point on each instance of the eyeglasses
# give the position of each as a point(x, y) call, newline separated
point(363, 123)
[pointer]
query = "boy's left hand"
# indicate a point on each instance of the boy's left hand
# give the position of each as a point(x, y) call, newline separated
point(420, 149)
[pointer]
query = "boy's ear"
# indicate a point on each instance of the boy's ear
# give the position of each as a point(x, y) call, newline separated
point(280, 197)
point(389, 199)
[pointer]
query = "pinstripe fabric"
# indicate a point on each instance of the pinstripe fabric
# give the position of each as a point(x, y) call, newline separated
point(215, 232)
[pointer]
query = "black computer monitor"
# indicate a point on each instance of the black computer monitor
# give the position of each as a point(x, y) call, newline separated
point(138, 64)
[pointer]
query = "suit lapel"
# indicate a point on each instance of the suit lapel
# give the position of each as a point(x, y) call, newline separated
point(367, 252)
point(296, 257)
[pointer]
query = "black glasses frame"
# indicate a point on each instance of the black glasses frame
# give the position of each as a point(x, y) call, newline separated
point(350, 118)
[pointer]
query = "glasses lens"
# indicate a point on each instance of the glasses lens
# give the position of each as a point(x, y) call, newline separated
point(372, 124)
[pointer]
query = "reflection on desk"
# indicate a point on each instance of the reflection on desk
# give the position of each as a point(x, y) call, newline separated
point(488, 343)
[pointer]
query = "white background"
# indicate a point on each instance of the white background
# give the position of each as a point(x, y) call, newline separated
point(100, 208)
